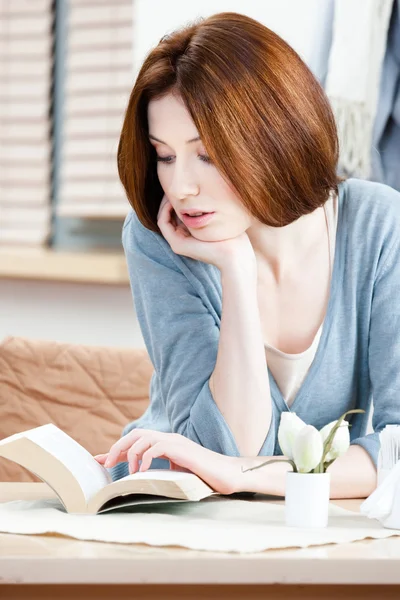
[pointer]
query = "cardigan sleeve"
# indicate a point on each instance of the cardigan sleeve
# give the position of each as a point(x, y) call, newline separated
point(181, 336)
point(384, 341)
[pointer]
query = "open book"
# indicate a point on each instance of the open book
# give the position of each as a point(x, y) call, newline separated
point(85, 486)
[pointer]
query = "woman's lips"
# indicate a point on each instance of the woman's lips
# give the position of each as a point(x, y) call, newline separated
point(194, 222)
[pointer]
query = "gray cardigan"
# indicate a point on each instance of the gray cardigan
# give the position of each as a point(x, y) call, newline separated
point(179, 302)
point(385, 151)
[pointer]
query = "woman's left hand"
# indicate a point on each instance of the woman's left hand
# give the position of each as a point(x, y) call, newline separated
point(220, 472)
point(223, 253)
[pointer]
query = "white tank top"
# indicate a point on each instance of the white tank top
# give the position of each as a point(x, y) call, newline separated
point(290, 370)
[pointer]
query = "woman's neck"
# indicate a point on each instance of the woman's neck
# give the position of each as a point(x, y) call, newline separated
point(282, 249)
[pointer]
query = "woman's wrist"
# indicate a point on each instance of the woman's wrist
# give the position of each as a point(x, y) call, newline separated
point(269, 479)
point(240, 270)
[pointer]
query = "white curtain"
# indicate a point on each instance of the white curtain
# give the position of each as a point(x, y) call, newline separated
point(25, 126)
point(98, 80)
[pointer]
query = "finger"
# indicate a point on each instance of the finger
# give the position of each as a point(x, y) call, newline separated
point(114, 456)
point(164, 220)
point(170, 223)
point(183, 230)
point(173, 233)
point(164, 208)
point(101, 458)
point(122, 457)
point(123, 445)
point(159, 450)
point(162, 204)
point(170, 449)
point(135, 453)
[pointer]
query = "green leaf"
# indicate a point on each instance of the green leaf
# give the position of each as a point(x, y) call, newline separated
point(325, 466)
point(329, 439)
point(269, 462)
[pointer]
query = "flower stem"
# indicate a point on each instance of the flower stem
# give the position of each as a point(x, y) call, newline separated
point(269, 462)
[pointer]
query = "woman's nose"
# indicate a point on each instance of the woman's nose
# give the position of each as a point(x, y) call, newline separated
point(184, 184)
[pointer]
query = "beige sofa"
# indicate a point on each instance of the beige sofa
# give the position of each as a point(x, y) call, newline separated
point(90, 392)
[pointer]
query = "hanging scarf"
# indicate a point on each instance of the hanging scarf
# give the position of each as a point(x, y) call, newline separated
point(360, 31)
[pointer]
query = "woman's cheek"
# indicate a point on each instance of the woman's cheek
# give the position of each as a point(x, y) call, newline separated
point(162, 180)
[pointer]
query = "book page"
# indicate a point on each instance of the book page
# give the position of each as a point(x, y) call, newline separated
point(161, 475)
point(90, 475)
point(131, 502)
point(162, 483)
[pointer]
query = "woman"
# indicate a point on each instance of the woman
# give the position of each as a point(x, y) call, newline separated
point(285, 296)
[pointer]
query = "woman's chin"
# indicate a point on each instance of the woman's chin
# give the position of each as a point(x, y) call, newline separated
point(208, 235)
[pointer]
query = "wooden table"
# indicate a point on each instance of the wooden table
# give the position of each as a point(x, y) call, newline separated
point(57, 568)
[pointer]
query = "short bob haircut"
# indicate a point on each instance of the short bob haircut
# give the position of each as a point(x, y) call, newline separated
point(262, 116)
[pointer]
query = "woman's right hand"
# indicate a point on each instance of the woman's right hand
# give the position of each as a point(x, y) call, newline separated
point(222, 473)
point(222, 254)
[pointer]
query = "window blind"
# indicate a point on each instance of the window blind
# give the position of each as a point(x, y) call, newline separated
point(26, 43)
point(98, 81)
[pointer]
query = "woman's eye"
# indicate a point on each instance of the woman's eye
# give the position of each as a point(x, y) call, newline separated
point(168, 159)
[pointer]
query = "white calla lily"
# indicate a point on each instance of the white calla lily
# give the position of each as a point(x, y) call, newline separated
point(303, 445)
point(307, 449)
point(289, 427)
point(341, 441)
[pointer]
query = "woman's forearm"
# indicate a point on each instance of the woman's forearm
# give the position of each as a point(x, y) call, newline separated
point(353, 475)
point(239, 383)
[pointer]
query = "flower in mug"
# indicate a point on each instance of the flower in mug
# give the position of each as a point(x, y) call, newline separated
point(307, 449)
point(289, 427)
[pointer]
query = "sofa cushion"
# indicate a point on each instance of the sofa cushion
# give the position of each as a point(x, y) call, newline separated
point(90, 392)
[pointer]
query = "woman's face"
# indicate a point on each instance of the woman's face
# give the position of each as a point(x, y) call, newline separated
point(189, 180)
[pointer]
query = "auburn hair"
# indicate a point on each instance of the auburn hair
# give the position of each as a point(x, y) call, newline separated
point(263, 118)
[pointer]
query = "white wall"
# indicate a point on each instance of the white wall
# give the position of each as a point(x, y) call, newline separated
point(66, 312)
point(302, 23)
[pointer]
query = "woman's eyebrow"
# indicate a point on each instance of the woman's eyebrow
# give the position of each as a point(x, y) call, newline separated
point(153, 137)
